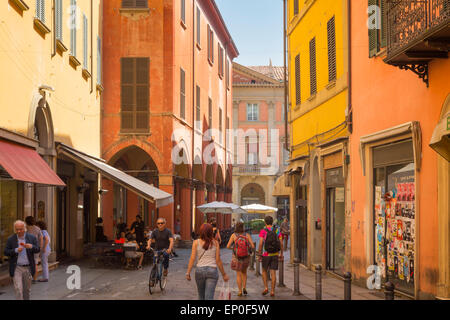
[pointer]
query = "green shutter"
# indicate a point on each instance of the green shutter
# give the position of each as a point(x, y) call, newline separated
point(58, 19)
point(383, 31)
point(99, 60)
point(331, 49)
point(373, 33)
point(85, 42)
point(298, 98)
point(312, 66)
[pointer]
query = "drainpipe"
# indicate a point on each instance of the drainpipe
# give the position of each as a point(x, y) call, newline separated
point(193, 109)
point(350, 106)
point(286, 144)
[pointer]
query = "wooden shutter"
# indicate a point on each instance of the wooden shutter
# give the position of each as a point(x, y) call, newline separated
point(220, 124)
point(73, 29)
point(227, 70)
point(296, 7)
point(183, 11)
point(209, 41)
point(58, 19)
point(210, 113)
point(197, 111)
point(331, 50)
point(312, 66)
point(297, 80)
point(135, 94)
point(212, 46)
point(99, 60)
point(373, 33)
point(198, 26)
point(134, 3)
point(182, 94)
point(383, 31)
point(40, 10)
point(85, 42)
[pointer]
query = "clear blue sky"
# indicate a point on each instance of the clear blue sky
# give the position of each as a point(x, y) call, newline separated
point(257, 29)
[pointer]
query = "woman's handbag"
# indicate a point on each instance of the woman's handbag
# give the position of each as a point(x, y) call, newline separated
point(225, 292)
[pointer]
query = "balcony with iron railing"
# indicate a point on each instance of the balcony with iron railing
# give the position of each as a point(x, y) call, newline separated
point(418, 31)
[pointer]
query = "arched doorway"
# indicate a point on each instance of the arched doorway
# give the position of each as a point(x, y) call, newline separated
point(126, 205)
point(250, 194)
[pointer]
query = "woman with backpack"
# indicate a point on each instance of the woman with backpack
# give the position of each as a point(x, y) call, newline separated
point(242, 249)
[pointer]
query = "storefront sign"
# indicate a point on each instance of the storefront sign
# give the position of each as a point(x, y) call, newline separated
point(340, 195)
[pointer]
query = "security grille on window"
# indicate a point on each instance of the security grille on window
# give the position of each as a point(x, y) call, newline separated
point(135, 94)
point(252, 112)
point(40, 10)
point(134, 3)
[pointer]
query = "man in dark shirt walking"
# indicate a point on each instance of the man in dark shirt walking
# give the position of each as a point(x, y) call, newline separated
point(163, 239)
point(138, 226)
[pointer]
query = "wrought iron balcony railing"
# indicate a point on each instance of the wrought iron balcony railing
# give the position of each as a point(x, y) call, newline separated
point(417, 32)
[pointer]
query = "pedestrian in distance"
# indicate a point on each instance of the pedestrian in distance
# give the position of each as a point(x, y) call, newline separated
point(206, 250)
point(242, 248)
point(138, 229)
point(45, 250)
point(33, 229)
point(216, 231)
point(285, 231)
point(270, 249)
point(21, 249)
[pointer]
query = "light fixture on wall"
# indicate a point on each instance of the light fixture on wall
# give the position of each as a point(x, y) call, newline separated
point(102, 191)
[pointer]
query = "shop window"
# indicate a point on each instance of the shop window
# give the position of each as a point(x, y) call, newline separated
point(8, 213)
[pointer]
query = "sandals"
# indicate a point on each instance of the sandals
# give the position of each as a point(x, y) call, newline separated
point(266, 291)
point(272, 294)
point(244, 291)
point(239, 294)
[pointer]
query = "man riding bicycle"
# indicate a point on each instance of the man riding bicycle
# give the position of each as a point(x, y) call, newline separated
point(163, 239)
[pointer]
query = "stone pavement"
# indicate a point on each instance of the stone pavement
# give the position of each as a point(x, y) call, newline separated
point(119, 284)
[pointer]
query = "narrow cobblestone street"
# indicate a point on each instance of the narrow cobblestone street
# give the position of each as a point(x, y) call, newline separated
point(119, 284)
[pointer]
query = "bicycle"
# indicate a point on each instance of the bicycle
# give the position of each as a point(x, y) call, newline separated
point(156, 274)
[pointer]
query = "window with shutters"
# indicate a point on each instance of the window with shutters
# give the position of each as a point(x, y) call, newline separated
point(135, 95)
point(210, 45)
point(220, 64)
point(134, 4)
point(59, 19)
point(210, 107)
point(198, 28)
point(40, 10)
point(378, 27)
point(312, 66)
point(298, 98)
point(220, 125)
point(85, 42)
point(183, 11)
point(252, 112)
point(73, 29)
point(227, 72)
point(182, 94)
point(332, 74)
point(197, 108)
point(99, 60)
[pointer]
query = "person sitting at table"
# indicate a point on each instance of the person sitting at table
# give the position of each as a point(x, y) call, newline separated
point(99, 234)
point(120, 241)
point(130, 255)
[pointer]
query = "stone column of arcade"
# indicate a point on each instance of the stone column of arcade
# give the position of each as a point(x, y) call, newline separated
point(185, 209)
point(199, 200)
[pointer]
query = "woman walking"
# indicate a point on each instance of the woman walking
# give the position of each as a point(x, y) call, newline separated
point(207, 252)
point(45, 250)
point(241, 256)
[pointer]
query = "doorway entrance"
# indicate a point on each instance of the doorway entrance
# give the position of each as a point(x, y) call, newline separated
point(301, 210)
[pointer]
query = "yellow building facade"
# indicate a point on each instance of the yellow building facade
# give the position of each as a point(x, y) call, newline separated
point(50, 62)
point(317, 36)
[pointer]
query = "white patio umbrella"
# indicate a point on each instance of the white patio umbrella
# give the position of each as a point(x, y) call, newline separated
point(220, 207)
point(259, 208)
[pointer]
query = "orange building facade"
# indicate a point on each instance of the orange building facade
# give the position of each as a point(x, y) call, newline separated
point(167, 78)
point(399, 184)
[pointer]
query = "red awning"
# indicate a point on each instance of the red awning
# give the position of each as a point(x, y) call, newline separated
point(25, 164)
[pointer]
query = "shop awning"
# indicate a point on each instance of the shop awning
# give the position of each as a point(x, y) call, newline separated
point(440, 141)
point(280, 188)
point(295, 166)
point(25, 164)
point(142, 189)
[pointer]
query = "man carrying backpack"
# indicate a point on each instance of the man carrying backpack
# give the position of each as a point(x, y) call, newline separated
point(243, 246)
point(270, 250)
